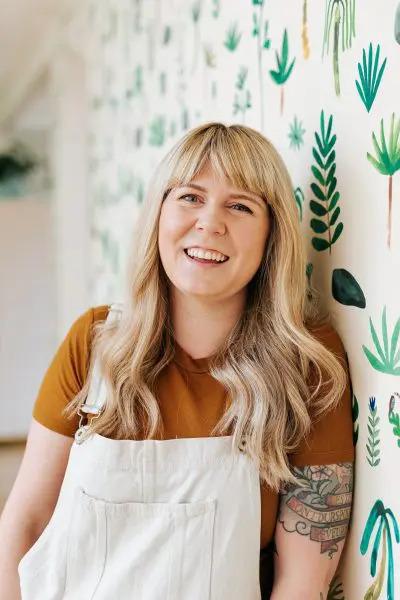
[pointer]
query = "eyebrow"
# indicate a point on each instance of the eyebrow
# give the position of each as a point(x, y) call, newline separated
point(235, 196)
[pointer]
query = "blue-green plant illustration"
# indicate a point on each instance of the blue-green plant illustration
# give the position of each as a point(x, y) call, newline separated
point(370, 77)
point(215, 8)
point(372, 445)
point(195, 14)
point(232, 38)
point(339, 16)
point(354, 414)
point(16, 164)
point(299, 198)
point(167, 35)
point(283, 70)
point(387, 162)
point(137, 85)
point(387, 359)
point(397, 24)
point(296, 133)
point(335, 589)
point(242, 101)
point(304, 32)
point(346, 289)
point(383, 518)
point(326, 196)
point(157, 131)
point(394, 417)
point(263, 43)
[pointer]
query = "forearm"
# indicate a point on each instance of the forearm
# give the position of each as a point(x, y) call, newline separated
point(16, 539)
point(284, 591)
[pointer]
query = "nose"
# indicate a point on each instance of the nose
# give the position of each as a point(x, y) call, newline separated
point(210, 220)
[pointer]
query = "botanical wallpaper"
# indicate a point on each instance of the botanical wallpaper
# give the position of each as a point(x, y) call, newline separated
point(322, 81)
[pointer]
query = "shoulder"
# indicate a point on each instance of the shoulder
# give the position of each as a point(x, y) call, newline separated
point(327, 335)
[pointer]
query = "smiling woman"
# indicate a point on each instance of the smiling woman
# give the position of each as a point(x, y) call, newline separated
point(213, 388)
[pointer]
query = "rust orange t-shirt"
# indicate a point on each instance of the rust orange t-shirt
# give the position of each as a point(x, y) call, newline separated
point(200, 402)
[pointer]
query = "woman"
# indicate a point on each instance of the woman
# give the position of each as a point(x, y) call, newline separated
point(217, 401)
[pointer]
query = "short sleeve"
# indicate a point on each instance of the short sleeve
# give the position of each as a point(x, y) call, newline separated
point(66, 374)
point(331, 437)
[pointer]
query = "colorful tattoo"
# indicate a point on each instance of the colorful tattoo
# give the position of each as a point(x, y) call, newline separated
point(321, 509)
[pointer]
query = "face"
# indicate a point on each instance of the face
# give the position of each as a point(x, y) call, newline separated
point(212, 214)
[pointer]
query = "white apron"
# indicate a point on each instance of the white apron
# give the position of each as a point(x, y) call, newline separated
point(175, 519)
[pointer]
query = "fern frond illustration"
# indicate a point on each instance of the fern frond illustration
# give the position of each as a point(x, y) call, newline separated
point(283, 71)
point(379, 515)
point(387, 161)
point(335, 590)
point(370, 77)
point(299, 198)
point(387, 359)
point(394, 418)
point(341, 15)
point(354, 414)
point(232, 38)
point(324, 189)
point(373, 434)
point(296, 133)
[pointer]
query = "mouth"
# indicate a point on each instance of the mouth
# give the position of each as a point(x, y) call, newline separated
point(205, 261)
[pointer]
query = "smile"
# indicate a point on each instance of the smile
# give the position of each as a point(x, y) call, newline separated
point(204, 261)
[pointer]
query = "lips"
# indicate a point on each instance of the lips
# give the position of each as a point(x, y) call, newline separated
point(219, 262)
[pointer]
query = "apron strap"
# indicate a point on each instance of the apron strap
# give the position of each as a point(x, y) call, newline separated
point(96, 397)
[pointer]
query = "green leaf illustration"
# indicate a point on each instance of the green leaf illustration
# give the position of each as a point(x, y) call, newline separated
point(370, 77)
point(388, 359)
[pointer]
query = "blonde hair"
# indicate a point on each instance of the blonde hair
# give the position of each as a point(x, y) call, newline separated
point(268, 361)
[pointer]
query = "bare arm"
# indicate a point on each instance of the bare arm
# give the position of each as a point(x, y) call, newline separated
point(31, 501)
point(311, 531)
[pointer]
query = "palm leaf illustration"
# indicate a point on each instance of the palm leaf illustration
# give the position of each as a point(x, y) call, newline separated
point(370, 77)
point(388, 359)
point(324, 189)
point(283, 71)
point(339, 14)
point(379, 515)
point(387, 161)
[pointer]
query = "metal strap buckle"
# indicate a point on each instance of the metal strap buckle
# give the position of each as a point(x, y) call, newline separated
point(83, 430)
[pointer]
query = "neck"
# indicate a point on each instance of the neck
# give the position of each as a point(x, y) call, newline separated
point(201, 325)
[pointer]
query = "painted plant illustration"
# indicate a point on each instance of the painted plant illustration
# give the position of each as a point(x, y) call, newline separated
point(385, 521)
point(304, 32)
point(232, 38)
point(296, 133)
point(387, 162)
point(299, 198)
point(370, 77)
point(195, 14)
point(242, 101)
point(260, 31)
point(372, 444)
point(340, 24)
point(394, 417)
point(283, 70)
point(387, 359)
point(325, 205)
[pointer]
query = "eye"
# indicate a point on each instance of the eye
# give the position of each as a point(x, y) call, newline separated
point(242, 206)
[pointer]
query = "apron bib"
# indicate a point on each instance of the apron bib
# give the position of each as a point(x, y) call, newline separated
point(173, 519)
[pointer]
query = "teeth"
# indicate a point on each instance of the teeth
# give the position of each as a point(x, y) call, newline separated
point(199, 253)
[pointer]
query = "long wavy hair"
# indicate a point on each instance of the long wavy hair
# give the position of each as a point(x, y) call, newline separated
point(279, 377)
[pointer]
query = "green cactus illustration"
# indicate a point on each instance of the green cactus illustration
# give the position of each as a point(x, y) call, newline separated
point(370, 77)
point(232, 38)
point(242, 99)
point(373, 434)
point(340, 14)
point(296, 133)
point(388, 359)
point(263, 43)
point(383, 538)
point(299, 198)
point(324, 189)
point(387, 162)
point(283, 71)
point(394, 417)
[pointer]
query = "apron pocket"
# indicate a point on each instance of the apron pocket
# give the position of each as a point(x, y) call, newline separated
point(146, 550)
